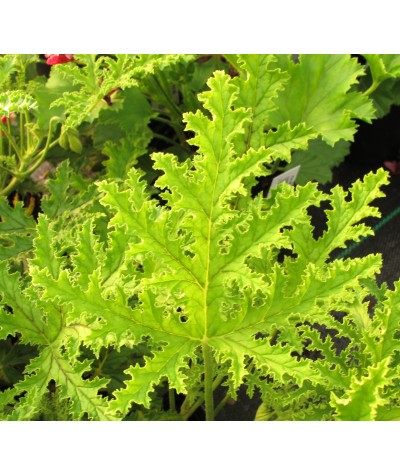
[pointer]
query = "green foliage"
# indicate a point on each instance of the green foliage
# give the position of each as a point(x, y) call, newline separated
point(371, 390)
point(361, 362)
point(99, 76)
point(15, 101)
point(319, 94)
point(123, 133)
point(198, 281)
point(383, 83)
point(17, 230)
point(16, 69)
point(115, 105)
point(95, 98)
point(13, 358)
point(318, 161)
point(133, 289)
point(383, 67)
point(71, 196)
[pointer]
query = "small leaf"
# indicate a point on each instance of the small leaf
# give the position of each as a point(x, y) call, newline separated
point(17, 230)
point(361, 401)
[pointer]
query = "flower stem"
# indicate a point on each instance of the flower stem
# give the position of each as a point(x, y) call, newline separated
point(222, 404)
point(27, 168)
point(28, 139)
point(165, 89)
point(166, 139)
point(21, 132)
point(164, 120)
point(208, 381)
point(10, 187)
point(371, 88)
point(174, 110)
point(11, 141)
point(186, 411)
point(171, 400)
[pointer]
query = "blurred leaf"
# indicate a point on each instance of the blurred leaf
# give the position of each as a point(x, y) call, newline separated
point(318, 161)
point(17, 230)
point(13, 359)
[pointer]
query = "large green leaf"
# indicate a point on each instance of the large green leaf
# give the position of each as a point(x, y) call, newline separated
point(319, 94)
point(204, 274)
point(197, 272)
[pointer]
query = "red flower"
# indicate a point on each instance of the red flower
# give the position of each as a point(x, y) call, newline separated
point(53, 59)
point(393, 166)
point(4, 119)
point(12, 118)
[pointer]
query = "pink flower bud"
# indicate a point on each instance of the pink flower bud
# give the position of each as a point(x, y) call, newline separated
point(53, 59)
point(4, 119)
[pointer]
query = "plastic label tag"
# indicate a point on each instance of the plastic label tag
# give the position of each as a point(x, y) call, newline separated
point(289, 176)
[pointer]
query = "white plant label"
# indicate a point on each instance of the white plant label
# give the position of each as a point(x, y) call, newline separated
point(289, 176)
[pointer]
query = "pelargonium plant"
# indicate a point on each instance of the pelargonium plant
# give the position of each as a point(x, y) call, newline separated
point(156, 291)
